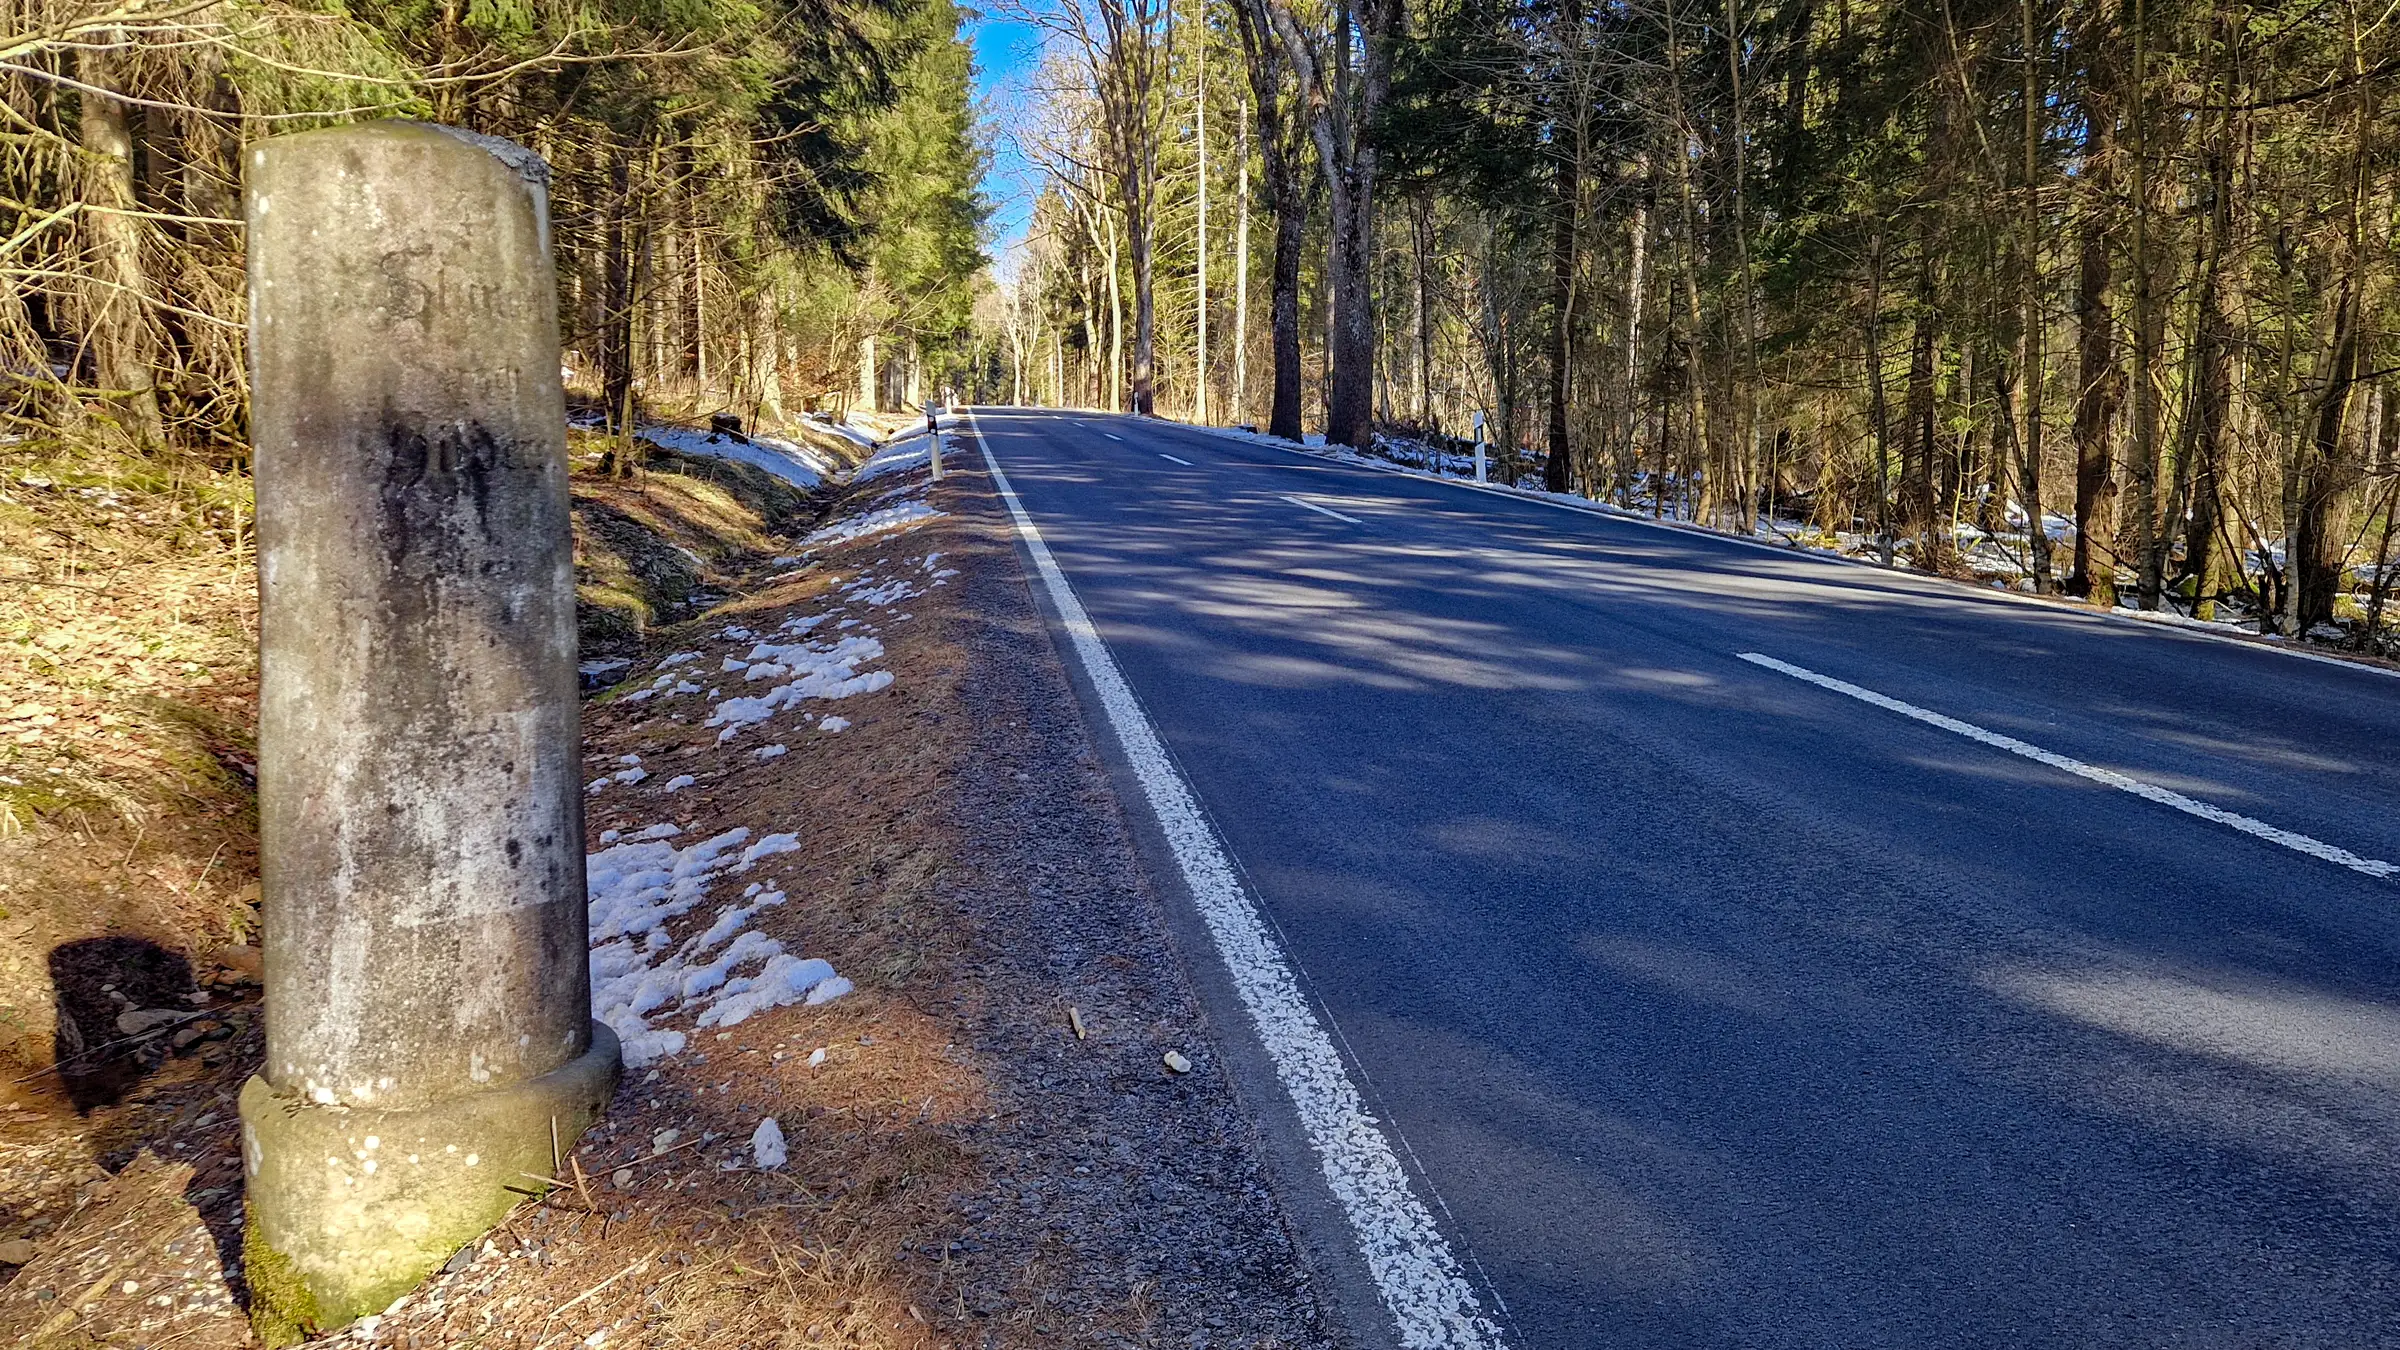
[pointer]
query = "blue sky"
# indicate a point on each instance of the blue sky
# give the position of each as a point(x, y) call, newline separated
point(1006, 52)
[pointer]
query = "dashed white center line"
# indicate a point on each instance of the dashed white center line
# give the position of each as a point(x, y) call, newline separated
point(1184, 462)
point(2299, 843)
point(1322, 511)
point(1112, 435)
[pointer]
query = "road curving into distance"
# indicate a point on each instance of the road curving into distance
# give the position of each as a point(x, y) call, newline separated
point(1748, 950)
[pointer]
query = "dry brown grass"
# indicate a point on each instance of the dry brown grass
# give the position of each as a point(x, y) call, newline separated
point(128, 638)
point(900, 1220)
point(655, 547)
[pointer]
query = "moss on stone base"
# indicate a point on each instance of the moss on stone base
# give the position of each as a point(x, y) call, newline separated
point(282, 1310)
point(356, 1206)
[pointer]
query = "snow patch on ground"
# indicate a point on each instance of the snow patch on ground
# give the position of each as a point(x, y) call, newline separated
point(642, 881)
point(820, 670)
point(766, 1144)
point(720, 976)
point(797, 464)
point(898, 516)
point(881, 595)
point(862, 437)
point(898, 457)
point(629, 775)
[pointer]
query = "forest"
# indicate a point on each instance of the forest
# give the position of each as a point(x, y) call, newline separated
point(744, 193)
point(2092, 299)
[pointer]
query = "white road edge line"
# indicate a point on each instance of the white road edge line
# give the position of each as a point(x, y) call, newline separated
point(2299, 843)
point(1422, 1285)
point(1321, 510)
point(1184, 462)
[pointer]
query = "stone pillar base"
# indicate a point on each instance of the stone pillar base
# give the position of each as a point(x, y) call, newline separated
point(351, 1207)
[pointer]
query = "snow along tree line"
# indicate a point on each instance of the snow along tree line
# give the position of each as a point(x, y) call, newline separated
point(744, 192)
point(1909, 273)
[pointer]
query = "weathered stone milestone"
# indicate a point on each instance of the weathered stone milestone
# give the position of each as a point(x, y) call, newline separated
point(429, 1033)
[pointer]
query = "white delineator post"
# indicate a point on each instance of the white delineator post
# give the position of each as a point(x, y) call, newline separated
point(1480, 475)
point(430, 1044)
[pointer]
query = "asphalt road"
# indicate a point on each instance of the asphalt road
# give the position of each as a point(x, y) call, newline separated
point(1720, 1008)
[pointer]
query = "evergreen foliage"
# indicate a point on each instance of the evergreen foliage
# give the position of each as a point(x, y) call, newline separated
point(743, 190)
point(1905, 276)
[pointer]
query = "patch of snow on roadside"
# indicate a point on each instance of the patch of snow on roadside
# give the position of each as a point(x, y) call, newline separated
point(881, 597)
point(633, 773)
point(898, 457)
point(639, 972)
point(786, 979)
point(766, 1145)
point(857, 436)
point(899, 516)
point(666, 684)
point(827, 671)
point(791, 461)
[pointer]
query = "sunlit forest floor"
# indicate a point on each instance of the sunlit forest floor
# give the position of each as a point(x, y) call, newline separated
point(982, 1143)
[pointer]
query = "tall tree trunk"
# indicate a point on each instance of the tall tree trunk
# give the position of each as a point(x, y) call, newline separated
point(1744, 403)
point(117, 290)
point(1241, 269)
point(1700, 439)
point(1266, 61)
point(212, 147)
point(1917, 510)
point(1344, 121)
point(2033, 356)
point(689, 363)
point(1091, 338)
point(2317, 497)
point(1420, 238)
point(616, 301)
point(2316, 520)
point(1145, 308)
point(1566, 194)
point(2211, 383)
point(766, 363)
point(1878, 406)
point(1637, 232)
point(2149, 340)
point(1349, 404)
point(1116, 323)
point(2098, 376)
point(1200, 242)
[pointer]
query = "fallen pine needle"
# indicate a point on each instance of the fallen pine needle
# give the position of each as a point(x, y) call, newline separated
point(630, 1269)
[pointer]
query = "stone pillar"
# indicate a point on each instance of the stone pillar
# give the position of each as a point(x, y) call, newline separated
point(429, 1033)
